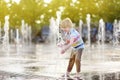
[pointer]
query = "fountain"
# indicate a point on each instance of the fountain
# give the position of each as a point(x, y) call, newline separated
point(54, 28)
point(101, 32)
point(0, 32)
point(80, 26)
point(6, 34)
point(17, 37)
point(115, 32)
point(26, 33)
point(58, 14)
point(29, 35)
point(11, 43)
point(11, 36)
point(47, 63)
point(23, 32)
point(17, 40)
point(88, 27)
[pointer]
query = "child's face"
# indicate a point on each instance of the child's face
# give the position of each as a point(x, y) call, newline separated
point(67, 29)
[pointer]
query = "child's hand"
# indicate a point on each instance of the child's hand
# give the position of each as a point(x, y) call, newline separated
point(59, 44)
point(63, 51)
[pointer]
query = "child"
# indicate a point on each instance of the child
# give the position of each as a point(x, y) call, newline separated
point(72, 39)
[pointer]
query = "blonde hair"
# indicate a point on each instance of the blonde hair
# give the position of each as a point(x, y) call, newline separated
point(66, 23)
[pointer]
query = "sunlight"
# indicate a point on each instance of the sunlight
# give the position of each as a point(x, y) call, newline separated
point(74, 1)
point(17, 1)
point(47, 1)
point(7, 1)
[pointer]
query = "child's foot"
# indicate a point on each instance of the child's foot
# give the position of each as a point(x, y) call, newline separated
point(66, 76)
point(77, 78)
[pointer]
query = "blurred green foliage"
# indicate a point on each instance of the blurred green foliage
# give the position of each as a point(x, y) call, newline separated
point(37, 10)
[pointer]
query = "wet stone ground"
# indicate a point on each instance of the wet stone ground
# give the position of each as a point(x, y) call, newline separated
point(85, 76)
point(46, 63)
point(103, 76)
point(13, 76)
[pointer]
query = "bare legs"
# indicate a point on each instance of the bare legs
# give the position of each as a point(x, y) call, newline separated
point(76, 58)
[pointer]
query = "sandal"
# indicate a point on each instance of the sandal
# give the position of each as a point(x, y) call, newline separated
point(66, 75)
point(77, 78)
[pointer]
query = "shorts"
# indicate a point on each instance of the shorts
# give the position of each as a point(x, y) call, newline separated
point(77, 53)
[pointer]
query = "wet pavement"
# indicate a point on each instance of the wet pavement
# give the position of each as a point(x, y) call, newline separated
point(45, 62)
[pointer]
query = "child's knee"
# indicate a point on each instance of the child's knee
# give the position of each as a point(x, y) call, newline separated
point(77, 60)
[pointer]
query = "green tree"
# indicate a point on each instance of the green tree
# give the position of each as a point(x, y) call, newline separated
point(3, 11)
point(37, 13)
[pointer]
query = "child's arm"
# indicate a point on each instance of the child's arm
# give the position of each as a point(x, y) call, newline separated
point(63, 43)
point(68, 45)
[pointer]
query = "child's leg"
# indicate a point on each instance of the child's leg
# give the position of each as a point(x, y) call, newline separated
point(71, 63)
point(78, 61)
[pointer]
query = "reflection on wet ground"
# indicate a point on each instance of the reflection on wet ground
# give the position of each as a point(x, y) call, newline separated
point(46, 63)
